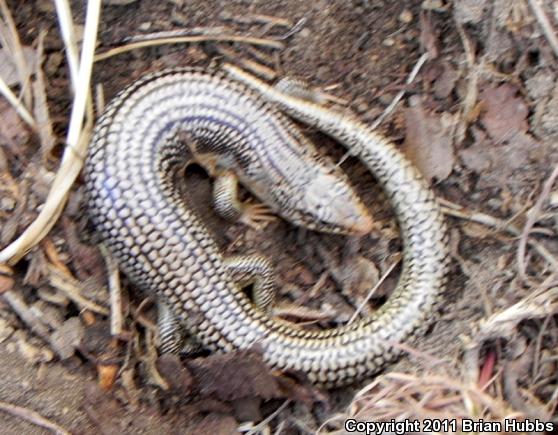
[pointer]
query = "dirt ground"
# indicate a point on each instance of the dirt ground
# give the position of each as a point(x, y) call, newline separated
point(478, 119)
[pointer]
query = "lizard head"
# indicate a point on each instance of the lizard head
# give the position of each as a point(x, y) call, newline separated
point(328, 203)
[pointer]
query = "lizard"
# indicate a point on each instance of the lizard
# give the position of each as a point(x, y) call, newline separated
point(164, 247)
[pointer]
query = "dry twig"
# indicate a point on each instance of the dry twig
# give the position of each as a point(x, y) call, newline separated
point(115, 292)
point(451, 209)
point(40, 106)
point(532, 218)
point(26, 314)
point(33, 417)
point(71, 288)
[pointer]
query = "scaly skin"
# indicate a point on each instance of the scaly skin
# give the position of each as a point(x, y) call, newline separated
point(165, 249)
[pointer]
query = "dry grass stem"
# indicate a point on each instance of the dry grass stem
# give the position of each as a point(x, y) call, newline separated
point(9, 39)
point(532, 218)
point(247, 64)
point(17, 104)
point(372, 291)
point(539, 304)
point(67, 31)
point(76, 146)
point(189, 40)
point(260, 426)
point(544, 22)
point(471, 94)
point(420, 62)
point(405, 396)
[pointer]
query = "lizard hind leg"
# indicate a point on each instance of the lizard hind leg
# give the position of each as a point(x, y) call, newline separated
point(173, 334)
point(255, 270)
point(246, 270)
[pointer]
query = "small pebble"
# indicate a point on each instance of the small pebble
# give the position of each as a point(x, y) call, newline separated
point(389, 42)
point(7, 204)
point(144, 27)
point(406, 16)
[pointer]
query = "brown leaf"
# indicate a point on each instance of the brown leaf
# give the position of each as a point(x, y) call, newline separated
point(177, 376)
point(477, 157)
point(86, 259)
point(505, 113)
point(216, 424)
point(497, 162)
point(358, 275)
point(445, 82)
point(234, 375)
point(428, 140)
point(248, 409)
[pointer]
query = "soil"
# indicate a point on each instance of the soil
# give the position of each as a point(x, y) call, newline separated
point(362, 52)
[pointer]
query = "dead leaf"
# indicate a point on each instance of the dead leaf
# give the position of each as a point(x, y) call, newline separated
point(477, 158)
point(173, 371)
point(445, 82)
point(505, 113)
point(428, 140)
point(234, 375)
point(67, 337)
point(86, 259)
point(248, 409)
point(217, 424)
point(497, 162)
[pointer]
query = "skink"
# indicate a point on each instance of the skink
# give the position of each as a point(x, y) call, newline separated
point(165, 248)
